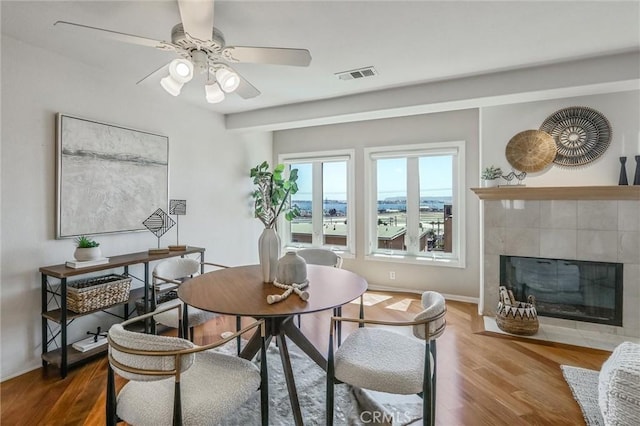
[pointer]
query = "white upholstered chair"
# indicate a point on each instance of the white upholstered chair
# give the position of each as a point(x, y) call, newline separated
point(324, 257)
point(172, 381)
point(382, 360)
point(167, 276)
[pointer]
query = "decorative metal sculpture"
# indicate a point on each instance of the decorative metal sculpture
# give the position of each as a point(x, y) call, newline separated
point(158, 223)
point(178, 208)
point(581, 134)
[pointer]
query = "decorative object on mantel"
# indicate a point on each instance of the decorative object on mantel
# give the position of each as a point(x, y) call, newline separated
point(520, 176)
point(272, 197)
point(516, 317)
point(509, 177)
point(636, 177)
point(158, 223)
point(581, 134)
point(622, 180)
point(490, 176)
point(178, 208)
point(531, 150)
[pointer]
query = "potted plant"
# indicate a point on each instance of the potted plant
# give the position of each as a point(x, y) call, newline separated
point(271, 199)
point(87, 249)
point(490, 175)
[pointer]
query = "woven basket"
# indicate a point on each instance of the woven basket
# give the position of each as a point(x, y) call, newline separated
point(161, 298)
point(516, 317)
point(97, 293)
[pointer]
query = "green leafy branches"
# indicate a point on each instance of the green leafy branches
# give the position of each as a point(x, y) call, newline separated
point(85, 242)
point(272, 193)
point(491, 172)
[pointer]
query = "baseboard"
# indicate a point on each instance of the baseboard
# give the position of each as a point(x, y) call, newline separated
point(455, 297)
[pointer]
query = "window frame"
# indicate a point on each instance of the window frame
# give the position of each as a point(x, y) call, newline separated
point(317, 158)
point(457, 258)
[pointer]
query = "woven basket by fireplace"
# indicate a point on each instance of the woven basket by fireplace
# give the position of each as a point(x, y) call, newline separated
point(516, 317)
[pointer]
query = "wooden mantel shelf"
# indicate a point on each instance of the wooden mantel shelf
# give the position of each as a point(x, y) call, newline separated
point(621, 192)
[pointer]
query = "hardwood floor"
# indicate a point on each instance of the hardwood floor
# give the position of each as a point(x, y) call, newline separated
point(483, 378)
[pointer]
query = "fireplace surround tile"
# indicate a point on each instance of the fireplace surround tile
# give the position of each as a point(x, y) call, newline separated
point(558, 243)
point(522, 242)
point(494, 214)
point(523, 214)
point(629, 247)
point(558, 214)
point(629, 215)
point(598, 215)
point(612, 242)
point(597, 246)
point(494, 240)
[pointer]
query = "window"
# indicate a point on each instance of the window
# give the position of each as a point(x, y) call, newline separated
point(415, 203)
point(325, 199)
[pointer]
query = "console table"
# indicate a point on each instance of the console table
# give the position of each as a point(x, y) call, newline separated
point(66, 355)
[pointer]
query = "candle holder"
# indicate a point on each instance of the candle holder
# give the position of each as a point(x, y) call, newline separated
point(623, 172)
point(636, 178)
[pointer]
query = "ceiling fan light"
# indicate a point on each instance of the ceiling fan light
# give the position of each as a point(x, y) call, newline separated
point(181, 70)
point(229, 80)
point(172, 86)
point(213, 93)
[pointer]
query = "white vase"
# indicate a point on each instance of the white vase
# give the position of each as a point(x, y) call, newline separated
point(490, 183)
point(269, 253)
point(87, 253)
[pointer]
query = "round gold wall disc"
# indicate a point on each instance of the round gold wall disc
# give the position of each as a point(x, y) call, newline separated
point(531, 150)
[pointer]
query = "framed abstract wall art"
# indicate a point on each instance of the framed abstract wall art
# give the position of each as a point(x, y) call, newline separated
point(108, 177)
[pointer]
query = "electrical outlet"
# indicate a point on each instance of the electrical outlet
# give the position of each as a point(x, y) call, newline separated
point(392, 275)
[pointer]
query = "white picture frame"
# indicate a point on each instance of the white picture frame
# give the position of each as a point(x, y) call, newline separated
point(109, 178)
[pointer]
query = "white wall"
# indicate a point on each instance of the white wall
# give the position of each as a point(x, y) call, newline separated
point(440, 127)
point(208, 167)
point(501, 123)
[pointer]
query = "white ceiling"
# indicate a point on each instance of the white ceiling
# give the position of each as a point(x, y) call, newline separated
point(408, 42)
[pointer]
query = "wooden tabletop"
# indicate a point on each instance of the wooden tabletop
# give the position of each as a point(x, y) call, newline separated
point(241, 291)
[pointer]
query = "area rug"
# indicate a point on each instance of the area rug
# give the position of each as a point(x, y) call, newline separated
point(353, 407)
point(584, 386)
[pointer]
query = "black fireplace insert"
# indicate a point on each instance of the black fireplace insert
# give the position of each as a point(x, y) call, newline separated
point(570, 289)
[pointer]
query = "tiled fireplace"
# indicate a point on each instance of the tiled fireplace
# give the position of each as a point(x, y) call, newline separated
point(572, 229)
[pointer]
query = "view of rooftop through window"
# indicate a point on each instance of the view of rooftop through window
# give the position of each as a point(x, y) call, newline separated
point(435, 199)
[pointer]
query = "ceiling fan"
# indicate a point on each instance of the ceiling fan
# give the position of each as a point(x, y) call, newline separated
point(201, 48)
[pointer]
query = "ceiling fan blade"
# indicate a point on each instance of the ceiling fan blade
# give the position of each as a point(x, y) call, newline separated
point(246, 90)
point(163, 68)
point(115, 35)
point(267, 55)
point(197, 18)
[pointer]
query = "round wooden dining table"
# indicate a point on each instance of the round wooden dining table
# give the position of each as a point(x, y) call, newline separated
point(240, 291)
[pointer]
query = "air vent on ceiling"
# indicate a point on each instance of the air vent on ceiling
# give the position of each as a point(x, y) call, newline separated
point(358, 73)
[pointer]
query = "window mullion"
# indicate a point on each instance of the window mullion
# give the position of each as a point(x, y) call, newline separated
point(413, 206)
point(317, 205)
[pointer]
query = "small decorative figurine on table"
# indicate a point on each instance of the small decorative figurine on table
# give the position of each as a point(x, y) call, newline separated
point(178, 208)
point(158, 223)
